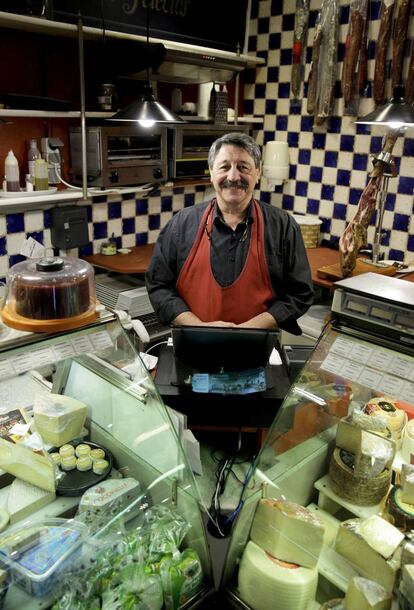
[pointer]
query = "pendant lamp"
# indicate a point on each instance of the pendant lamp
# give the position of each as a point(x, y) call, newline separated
point(147, 110)
point(397, 115)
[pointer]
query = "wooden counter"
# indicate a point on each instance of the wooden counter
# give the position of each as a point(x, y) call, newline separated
point(138, 259)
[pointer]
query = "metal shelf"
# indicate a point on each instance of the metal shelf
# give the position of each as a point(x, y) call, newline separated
point(52, 114)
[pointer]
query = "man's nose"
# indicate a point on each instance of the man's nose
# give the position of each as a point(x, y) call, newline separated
point(233, 173)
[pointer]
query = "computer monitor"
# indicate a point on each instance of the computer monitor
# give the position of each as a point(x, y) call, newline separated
point(211, 349)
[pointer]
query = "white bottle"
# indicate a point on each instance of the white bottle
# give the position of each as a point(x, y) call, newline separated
point(11, 167)
point(32, 155)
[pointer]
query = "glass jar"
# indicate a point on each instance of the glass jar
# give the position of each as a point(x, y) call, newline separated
point(107, 98)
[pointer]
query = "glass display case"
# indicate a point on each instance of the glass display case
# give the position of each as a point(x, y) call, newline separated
point(98, 507)
point(327, 519)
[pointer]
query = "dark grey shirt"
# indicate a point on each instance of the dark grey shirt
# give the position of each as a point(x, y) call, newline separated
point(284, 250)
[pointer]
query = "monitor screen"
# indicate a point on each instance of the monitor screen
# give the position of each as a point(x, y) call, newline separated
point(210, 349)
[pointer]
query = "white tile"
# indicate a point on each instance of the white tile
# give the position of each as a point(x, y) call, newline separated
point(259, 107)
point(303, 172)
point(99, 212)
point(128, 240)
point(153, 236)
point(299, 205)
point(341, 194)
point(337, 227)
point(178, 202)
point(345, 160)
point(314, 190)
point(2, 225)
point(128, 208)
point(15, 242)
point(154, 205)
point(404, 204)
point(33, 221)
point(115, 227)
point(329, 175)
point(4, 266)
point(325, 209)
point(165, 217)
point(398, 240)
point(317, 157)
point(141, 224)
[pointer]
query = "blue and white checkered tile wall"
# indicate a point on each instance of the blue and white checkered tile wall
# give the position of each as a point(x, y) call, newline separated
point(132, 219)
point(329, 166)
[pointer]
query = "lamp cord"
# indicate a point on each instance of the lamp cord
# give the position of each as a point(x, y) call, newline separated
point(148, 25)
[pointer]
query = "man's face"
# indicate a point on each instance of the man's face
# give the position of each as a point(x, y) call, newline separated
point(234, 176)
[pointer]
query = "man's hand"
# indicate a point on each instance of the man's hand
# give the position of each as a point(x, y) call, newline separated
point(263, 320)
point(187, 318)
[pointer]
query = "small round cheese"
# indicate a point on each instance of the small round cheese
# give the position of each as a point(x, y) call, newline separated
point(99, 466)
point(84, 463)
point(97, 454)
point(68, 462)
point(82, 449)
point(66, 450)
point(56, 458)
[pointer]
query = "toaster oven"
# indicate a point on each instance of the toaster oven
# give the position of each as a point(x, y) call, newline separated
point(190, 143)
point(120, 155)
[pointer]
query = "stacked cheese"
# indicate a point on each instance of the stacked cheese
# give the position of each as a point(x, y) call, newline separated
point(400, 501)
point(373, 547)
point(364, 594)
point(360, 469)
point(279, 562)
point(389, 411)
point(406, 590)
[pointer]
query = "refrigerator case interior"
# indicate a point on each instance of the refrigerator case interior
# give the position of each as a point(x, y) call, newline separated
point(312, 473)
point(130, 532)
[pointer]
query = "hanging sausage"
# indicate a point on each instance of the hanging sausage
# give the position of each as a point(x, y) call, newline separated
point(358, 14)
point(378, 90)
point(398, 41)
point(409, 87)
point(299, 45)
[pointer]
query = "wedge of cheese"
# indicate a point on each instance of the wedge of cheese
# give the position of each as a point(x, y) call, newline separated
point(288, 531)
point(360, 552)
point(365, 594)
point(407, 483)
point(27, 465)
point(266, 583)
point(24, 499)
point(373, 454)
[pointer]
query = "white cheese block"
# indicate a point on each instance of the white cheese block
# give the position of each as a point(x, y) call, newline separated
point(266, 583)
point(27, 465)
point(288, 531)
point(388, 410)
point(373, 454)
point(407, 583)
point(365, 594)
point(110, 497)
point(58, 419)
point(23, 499)
point(407, 483)
point(367, 561)
point(348, 432)
point(381, 535)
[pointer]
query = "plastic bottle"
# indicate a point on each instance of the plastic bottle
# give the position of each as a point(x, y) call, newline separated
point(11, 167)
point(41, 181)
point(32, 155)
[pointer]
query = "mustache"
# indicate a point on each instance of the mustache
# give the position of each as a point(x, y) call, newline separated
point(240, 184)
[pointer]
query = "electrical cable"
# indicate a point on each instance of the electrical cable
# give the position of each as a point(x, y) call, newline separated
point(95, 190)
point(155, 345)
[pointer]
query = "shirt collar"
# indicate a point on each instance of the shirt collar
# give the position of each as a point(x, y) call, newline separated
point(217, 216)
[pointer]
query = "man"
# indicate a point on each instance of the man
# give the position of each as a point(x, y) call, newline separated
point(231, 261)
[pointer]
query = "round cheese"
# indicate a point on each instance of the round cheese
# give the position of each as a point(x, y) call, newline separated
point(402, 512)
point(387, 409)
point(264, 581)
point(82, 449)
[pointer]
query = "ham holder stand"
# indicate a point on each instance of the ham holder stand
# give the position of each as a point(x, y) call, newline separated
point(398, 116)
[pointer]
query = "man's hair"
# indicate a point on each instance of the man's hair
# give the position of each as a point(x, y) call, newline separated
point(241, 140)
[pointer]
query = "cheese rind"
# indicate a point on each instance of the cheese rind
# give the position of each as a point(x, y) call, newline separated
point(27, 465)
point(288, 531)
point(265, 582)
point(24, 499)
point(365, 594)
point(407, 483)
point(58, 419)
point(381, 535)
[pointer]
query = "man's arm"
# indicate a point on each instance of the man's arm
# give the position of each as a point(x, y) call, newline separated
point(263, 320)
point(187, 318)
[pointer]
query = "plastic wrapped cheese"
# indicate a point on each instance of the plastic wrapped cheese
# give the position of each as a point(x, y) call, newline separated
point(288, 531)
point(365, 594)
point(407, 483)
point(265, 582)
point(373, 455)
point(381, 535)
point(58, 419)
point(389, 411)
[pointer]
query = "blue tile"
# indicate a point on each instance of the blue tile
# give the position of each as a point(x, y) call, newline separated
point(189, 200)
point(200, 188)
point(312, 206)
point(178, 190)
point(263, 55)
point(287, 202)
point(306, 123)
point(3, 281)
point(339, 211)
point(47, 219)
point(354, 195)
point(304, 156)
point(371, 49)
point(166, 204)
point(281, 123)
point(292, 171)
point(249, 75)
point(344, 177)
point(254, 13)
point(270, 106)
point(263, 25)
point(301, 188)
point(128, 225)
point(86, 250)
point(16, 258)
point(390, 201)
point(114, 209)
point(410, 243)
point(375, 9)
point(313, 15)
point(344, 14)
point(141, 207)
point(295, 107)
point(326, 225)
point(406, 185)
point(360, 162)
point(154, 222)
point(100, 230)
point(288, 22)
point(347, 143)
point(331, 158)
point(341, 51)
point(408, 149)
point(274, 40)
point(3, 246)
point(401, 222)
point(272, 75)
point(265, 196)
point(315, 174)
point(335, 124)
point(248, 106)
point(155, 194)
point(327, 192)
point(375, 144)
point(293, 138)
point(276, 7)
point(88, 213)
point(141, 239)
point(15, 223)
point(396, 255)
point(260, 91)
point(37, 235)
point(319, 140)
point(126, 196)
point(100, 199)
point(284, 90)
point(268, 136)
point(363, 130)
point(285, 57)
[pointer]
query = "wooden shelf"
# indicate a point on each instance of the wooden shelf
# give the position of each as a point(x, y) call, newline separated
point(52, 114)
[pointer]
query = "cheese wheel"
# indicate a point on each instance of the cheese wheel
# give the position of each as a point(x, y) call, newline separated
point(407, 444)
point(333, 604)
point(97, 454)
point(82, 449)
point(288, 531)
point(68, 462)
point(265, 582)
point(99, 466)
point(365, 594)
point(358, 489)
point(84, 463)
point(402, 513)
point(387, 409)
point(67, 450)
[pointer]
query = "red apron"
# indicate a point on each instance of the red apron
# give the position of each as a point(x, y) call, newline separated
point(249, 295)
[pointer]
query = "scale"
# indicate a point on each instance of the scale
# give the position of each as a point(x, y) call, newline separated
point(380, 305)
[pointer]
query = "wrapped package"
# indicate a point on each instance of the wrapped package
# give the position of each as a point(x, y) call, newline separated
point(58, 419)
point(181, 577)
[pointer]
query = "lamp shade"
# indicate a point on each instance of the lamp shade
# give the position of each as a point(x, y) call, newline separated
point(147, 110)
point(275, 163)
point(397, 113)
